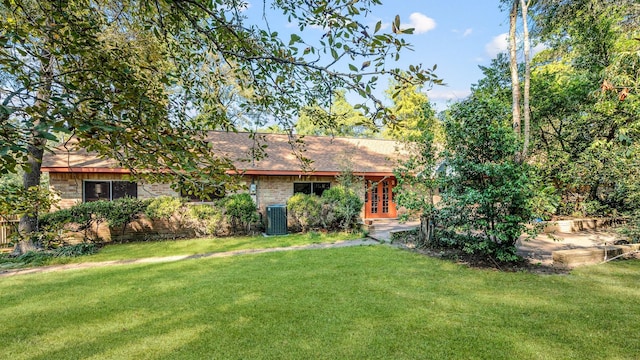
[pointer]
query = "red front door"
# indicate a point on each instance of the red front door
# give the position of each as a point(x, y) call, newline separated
point(379, 199)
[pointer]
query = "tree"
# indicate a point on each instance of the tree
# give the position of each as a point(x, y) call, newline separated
point(417, 173)
point(486, 191)
point(337, 118)
point(124, 77)
point(513, 61)
point(585, 123)
point(410, 106)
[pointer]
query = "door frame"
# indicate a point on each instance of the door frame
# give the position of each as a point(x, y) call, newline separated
point(375, 209)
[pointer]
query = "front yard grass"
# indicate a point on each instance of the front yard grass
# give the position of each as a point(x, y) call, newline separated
point(373, 302)
point(139, 250)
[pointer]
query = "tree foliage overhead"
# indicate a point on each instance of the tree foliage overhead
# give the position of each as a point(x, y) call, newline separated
point(124, 77)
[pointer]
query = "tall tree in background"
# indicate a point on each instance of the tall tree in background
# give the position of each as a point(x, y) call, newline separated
point(339, 118)
point(410, 106)
point(526, 107)
point(520, 7)
point(513, 66)
point(124, 77)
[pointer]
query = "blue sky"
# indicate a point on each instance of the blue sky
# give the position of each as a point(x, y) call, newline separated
point(457, 35)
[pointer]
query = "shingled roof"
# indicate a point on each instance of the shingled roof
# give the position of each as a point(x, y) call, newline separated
point(283, 155)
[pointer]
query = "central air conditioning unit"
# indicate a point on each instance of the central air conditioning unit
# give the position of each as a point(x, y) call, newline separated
point(277, 220)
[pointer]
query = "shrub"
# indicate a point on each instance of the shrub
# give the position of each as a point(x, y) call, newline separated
point(122, 211)
point(117, 213)
point(241, 211)
point(487, 192)
point(207, 219)
point(164, 207)
point(342, 208)
point(305, 211)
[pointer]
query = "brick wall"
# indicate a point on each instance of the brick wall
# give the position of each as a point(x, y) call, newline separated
point(270, 190)
point(69, 187)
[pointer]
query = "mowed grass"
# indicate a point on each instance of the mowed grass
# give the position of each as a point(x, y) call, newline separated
point(139, 250)
point(373, 302)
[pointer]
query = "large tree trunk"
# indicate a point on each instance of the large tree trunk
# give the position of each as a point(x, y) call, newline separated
point(36, 144)
point(513, 66)
point(527, 78)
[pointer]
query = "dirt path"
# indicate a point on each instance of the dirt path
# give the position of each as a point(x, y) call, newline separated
point(165, 259)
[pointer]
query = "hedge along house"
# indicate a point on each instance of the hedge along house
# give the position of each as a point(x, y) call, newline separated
point(79, 176)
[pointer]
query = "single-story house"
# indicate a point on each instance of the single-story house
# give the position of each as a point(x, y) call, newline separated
point(80, 176)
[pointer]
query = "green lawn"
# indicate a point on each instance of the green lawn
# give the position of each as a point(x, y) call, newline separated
point(373, 302)
point(139, 250)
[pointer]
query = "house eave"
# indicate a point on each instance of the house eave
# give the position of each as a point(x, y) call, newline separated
point(92, 170)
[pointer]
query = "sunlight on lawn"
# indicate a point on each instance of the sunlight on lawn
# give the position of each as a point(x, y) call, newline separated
point(372, 302)
point(137, 250)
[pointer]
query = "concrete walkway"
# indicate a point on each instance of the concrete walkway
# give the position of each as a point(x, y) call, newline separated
point(166, 259)
point(382, 229)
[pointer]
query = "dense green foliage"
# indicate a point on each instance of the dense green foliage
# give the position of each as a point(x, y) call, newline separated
point(129, 84)
point(585, 96)
point(164, 207)
point(486, 191)
point(240, 210)
point(417, 172)
point(305, 211)
point(342, 208)
point(233, 214)
point(338, 209)
point(207, 219)
point(336, 118)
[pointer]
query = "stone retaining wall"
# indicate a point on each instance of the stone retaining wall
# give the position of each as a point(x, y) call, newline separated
point(593, 255)
point(575, 225)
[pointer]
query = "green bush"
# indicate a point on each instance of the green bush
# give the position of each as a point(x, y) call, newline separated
point(207, 219)
point(305, 211)
point(486, 197)
point(117, 213)
point(342, 208)
point(241, 211)
point(164, 207)
point(122, 211)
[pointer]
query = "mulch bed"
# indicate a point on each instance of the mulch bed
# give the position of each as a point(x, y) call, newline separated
point(479, 261)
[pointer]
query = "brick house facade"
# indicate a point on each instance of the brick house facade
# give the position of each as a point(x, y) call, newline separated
point(80, 176)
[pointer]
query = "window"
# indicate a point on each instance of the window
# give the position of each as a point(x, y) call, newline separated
point(309, 188)
point(109, 190)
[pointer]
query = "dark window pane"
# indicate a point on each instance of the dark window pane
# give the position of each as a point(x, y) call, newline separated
point(124, 189)
point(97, 190)
point(319, 188)
point(304, 188)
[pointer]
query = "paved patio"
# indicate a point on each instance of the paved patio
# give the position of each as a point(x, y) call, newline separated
point(538, 249)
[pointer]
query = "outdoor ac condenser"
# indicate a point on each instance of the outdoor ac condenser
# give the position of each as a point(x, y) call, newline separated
point(276, 220)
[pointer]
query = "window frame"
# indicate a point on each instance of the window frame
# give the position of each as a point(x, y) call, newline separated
point(312, 185)
point(111, 188)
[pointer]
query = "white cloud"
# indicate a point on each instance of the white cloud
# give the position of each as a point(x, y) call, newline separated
point(420, 22)
point(498, 44)
point(536, 49)
point(447, 94)
point(467, 32)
